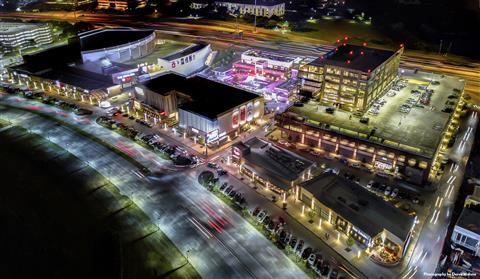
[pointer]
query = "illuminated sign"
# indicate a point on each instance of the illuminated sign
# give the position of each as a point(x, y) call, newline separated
point(212, 135)
point(242, 114)
point(235, 119)
point(359, 232)
point(236, 152)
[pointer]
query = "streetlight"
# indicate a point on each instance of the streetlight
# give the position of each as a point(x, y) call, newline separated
point(255, 18)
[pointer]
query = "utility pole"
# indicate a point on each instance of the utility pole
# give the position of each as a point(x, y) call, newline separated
point(448, 48)
point(255, 18)
point(440, 47)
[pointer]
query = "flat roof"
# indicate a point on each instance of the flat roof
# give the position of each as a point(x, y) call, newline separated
point(106, 38)
point(354, 57)
point(186, 51)
point(357, 205)
point(7, 28)
point(470, 220)
point(161, 50)
point(418, 131)
point(269, 55)
point(252, 2)
point(209, 98)
point(276, 164)
point(78, 78)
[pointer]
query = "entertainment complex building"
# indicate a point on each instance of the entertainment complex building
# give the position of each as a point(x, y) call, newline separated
point(204, 109)
point(399, 139)
point(22, 35)
point(100, 63)
point(349, 76)
point(358, 213)
point(264, 8)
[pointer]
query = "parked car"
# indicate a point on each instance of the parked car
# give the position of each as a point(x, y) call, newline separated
point(370, 184)
point(334, 274)
point(355, 165)
point(256, 211)
point(387, 190)
point(299, 247)
point(332, 170)
point(261, 216)
point(311, 259)
point(394, 193)
point(306, 253)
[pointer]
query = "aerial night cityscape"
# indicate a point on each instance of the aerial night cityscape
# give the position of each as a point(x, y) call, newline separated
point(240, 139)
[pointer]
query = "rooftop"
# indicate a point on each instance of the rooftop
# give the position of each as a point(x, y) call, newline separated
point(357, 205)
point(78, 78)
point(418, 131)
point(470, 219)
point(106, 38)
point(7, 28)
point(252, 2)
point(269, 55)
point(278, 165)
point(354, 57)
point(209, 98)
point(184, 52)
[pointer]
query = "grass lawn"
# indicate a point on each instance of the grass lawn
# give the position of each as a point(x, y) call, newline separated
point(331, 30)
point(62, 219)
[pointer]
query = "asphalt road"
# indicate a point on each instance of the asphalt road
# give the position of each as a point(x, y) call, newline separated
point(188, 214)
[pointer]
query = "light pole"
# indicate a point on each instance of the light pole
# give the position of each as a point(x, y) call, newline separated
point(255, 18)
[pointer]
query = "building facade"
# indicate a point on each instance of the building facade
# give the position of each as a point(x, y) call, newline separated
point(270, 166)
point(121, 5)
point(356, 212)
point(264, 8)
point(116, 45)
point(350, 77)
point(187, 61)
point(23, 35)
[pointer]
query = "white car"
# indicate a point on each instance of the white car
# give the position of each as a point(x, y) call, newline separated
point(370, 184)
point(388, 190)
point(261, 216)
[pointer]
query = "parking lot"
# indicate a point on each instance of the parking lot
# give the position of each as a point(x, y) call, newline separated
point(407, 118)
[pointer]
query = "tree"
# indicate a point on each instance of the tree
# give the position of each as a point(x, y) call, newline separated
point(350, 241)
point(311, 214)
point(288, 249)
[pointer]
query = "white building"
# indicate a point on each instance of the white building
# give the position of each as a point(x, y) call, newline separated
point(467, 229)
point(23, 35)
point(198, 4)
point(117, 45)
point(188, 60)
point(264, 8)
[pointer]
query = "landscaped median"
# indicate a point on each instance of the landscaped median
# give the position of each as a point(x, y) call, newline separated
point(241, 209)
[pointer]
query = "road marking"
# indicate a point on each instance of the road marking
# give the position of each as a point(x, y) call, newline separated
point(436, 202)
point(424, 255)
point(436, 218)
point(433, 216)
point(200, 227)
